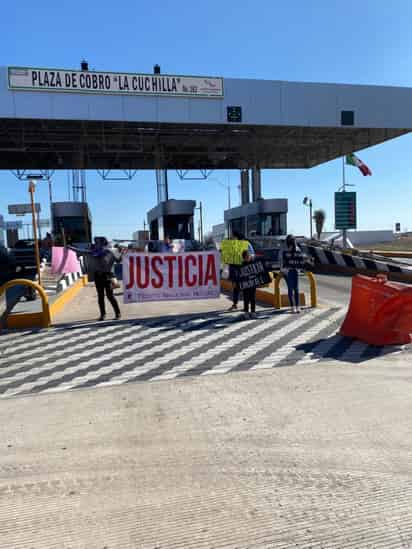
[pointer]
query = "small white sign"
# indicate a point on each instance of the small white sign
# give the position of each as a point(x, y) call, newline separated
point(26, 78)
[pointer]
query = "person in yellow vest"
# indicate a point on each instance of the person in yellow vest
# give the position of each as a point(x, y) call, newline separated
point(233, 273)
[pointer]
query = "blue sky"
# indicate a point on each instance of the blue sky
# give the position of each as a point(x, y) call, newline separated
point(365, 42)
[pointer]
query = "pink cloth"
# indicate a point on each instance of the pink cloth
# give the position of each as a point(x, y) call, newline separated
point(64, 261)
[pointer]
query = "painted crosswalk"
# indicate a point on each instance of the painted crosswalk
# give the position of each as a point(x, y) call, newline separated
point(160, 349)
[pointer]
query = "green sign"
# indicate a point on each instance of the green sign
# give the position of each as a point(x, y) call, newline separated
point(345, 210)
point(234, 114)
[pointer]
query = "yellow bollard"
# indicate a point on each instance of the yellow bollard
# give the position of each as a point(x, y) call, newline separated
point(277, 302)
point(45, 314)
point(276, 298)
point(313, 289)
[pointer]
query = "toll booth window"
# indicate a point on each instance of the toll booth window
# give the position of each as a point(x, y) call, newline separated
point(264, 225)
point(270, 225)
point(238, 226)
point(179, 226)
point(74, 228)
point(154, 230)
point(253, 226)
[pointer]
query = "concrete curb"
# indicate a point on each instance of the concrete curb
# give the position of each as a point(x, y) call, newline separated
point(67, 280)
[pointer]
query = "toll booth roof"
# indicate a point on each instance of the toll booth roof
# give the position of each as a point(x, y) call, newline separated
point(114, 120)
point(270, 205)
point(171, 207)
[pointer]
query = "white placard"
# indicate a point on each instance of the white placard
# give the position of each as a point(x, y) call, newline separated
point(163, 277)
point(26, 78)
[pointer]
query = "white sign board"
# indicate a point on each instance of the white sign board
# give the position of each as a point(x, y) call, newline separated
point(21, 209)
point(14, 225)
point(162, 277)
point(25, 78)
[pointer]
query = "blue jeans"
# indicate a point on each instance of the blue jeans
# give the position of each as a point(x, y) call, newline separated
point(293, 291)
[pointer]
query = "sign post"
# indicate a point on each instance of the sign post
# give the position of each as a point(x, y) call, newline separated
point(32, 189)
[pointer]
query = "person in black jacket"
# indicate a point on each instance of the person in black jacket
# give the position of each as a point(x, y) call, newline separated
point(100, 264)
point(249, 294)
point(292, 261)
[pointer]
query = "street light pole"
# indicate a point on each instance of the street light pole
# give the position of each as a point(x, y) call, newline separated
point(308, 202)
point(36, 242)
point(311, 224)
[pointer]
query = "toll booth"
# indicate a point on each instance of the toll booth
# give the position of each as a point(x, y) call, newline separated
point(263, 218)
point(74, 219)
point(259, 218)
point(172, 218)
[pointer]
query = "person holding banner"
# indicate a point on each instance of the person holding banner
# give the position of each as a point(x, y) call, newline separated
point(234, 267)
point(292, 261)
point(249, 294)
point(100, 261)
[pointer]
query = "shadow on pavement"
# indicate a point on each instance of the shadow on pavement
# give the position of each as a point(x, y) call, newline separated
point(345, 349)
point(186, 322)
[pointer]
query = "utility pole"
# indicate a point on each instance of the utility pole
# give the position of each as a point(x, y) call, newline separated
point(51, 207)
point(200, 226)
point(36, 242)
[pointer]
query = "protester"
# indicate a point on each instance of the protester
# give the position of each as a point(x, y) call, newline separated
point(100, 264)
point(292, 260)
point(166, 245)
point(45, 246)
point(233, 271)
point(249, 294)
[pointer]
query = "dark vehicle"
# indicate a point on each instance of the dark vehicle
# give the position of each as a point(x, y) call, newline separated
point(7, 265)
point(269, 250)
point(24, 254)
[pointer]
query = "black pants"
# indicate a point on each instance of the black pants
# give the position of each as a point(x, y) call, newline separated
point(292, 281)
point(103, 282)
point(233, 276)
point(249, 298)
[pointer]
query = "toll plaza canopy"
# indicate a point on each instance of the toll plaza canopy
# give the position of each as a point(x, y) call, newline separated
point(55, 118)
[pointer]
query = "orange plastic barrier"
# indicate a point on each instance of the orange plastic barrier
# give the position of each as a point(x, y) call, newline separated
point(380, 312)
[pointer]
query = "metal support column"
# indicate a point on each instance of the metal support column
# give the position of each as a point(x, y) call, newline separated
point(244, 187)
point(256, 184)
point(162, 186)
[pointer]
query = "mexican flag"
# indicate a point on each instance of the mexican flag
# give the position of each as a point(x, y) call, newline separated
point(353, 160)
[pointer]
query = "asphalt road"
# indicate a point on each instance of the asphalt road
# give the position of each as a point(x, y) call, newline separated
point(334, 290)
